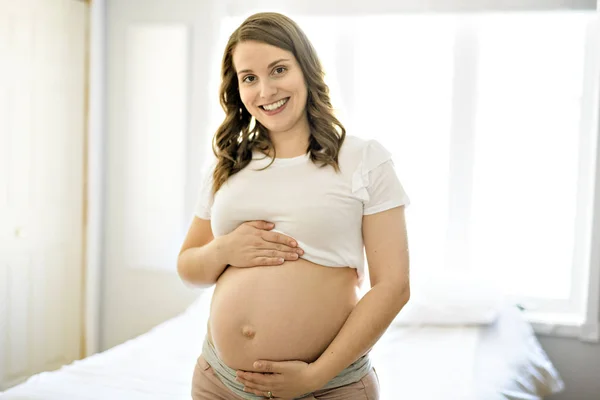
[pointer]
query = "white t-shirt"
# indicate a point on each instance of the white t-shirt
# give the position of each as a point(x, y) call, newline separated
point(320, 208)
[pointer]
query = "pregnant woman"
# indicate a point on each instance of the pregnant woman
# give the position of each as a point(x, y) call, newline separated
point(284, 217)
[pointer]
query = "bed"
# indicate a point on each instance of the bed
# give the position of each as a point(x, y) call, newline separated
point(500, 360)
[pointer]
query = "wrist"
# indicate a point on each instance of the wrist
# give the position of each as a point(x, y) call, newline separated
point(221, 250)
point(316, 376)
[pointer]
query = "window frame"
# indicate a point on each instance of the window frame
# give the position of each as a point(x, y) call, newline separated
point(361, 7)
point(548, 317)
point(558, 319)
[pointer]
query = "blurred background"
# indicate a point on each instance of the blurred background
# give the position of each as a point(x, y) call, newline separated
point(108, 107)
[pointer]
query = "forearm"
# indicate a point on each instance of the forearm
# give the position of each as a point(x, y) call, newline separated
point(366, 324)
point(202, 265)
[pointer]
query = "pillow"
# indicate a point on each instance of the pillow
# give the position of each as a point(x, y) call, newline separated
point(451, 299)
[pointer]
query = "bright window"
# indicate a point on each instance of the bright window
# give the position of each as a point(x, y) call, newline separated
point(485, 118)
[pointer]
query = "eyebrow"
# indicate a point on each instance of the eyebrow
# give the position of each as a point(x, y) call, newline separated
point(269, 66)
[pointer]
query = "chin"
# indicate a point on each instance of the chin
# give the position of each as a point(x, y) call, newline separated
point(275, 128)
point(280, 130)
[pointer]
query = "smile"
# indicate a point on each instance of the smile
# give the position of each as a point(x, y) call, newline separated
point(275, 106)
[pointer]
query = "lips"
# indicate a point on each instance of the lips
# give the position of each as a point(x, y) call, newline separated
point(275, 107)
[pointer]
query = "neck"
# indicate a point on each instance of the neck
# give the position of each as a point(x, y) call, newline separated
point(293, 142)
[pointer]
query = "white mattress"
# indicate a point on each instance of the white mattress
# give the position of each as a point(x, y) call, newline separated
point(501, 361)
point(504, 361)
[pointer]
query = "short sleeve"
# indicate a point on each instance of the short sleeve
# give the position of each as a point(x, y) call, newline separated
point(204, 199)
point(376, 182)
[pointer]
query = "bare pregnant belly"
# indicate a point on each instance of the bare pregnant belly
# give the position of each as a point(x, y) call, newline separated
point(287, 312)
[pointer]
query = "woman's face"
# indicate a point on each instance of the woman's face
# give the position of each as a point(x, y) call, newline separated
point(271, 85)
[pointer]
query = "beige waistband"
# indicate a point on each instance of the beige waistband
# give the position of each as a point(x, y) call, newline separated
point(355, 372)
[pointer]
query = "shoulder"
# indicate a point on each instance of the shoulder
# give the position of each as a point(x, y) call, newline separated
point(355, 151)
point(208, 167)
point(207, 170)
point(352, 149)
point(352, 144)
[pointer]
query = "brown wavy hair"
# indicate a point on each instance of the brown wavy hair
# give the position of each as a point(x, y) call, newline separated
point(239, 134)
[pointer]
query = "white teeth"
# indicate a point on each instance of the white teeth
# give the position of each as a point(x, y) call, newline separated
point(275, 106)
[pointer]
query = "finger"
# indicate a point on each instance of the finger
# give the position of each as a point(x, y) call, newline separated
point(278, 254)
point(264, 225)
point(275, 237)
point(269, 367)
point(275, 246)
point(261, 393)
point(280, 247)
point(261, 261)
point(251, 386)
point(257, 379)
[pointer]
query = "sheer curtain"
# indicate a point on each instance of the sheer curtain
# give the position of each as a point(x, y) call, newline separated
point(490, 118)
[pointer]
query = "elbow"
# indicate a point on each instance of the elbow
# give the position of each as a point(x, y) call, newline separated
point(405, 295)
point(397, 292)
point(182, 271)
point(396, 295)
point(192, 275)
point(402, 296)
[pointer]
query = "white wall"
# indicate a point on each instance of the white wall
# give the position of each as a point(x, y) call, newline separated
point(134, 298)
point(153, 296)
point(95, 187)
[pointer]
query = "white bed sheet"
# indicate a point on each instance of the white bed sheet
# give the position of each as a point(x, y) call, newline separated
point(511, 364)
point(504, 361)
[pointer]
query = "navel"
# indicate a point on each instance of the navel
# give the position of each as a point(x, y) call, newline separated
point(248, 331)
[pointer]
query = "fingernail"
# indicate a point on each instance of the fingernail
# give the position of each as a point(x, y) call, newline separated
point(257, 365)
point(294, 255)
point(293, 243)
point(270, 224)
point(281, 260)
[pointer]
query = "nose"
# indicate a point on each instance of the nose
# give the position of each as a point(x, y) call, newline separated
point(267, 89)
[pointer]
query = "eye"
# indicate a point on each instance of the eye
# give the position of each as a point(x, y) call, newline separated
point(279, 70)
point(249, 79)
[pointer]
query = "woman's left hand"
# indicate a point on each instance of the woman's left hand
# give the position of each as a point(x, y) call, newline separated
point(285, 380)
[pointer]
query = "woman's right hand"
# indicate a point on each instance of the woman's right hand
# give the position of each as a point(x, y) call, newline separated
point(253, 244)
